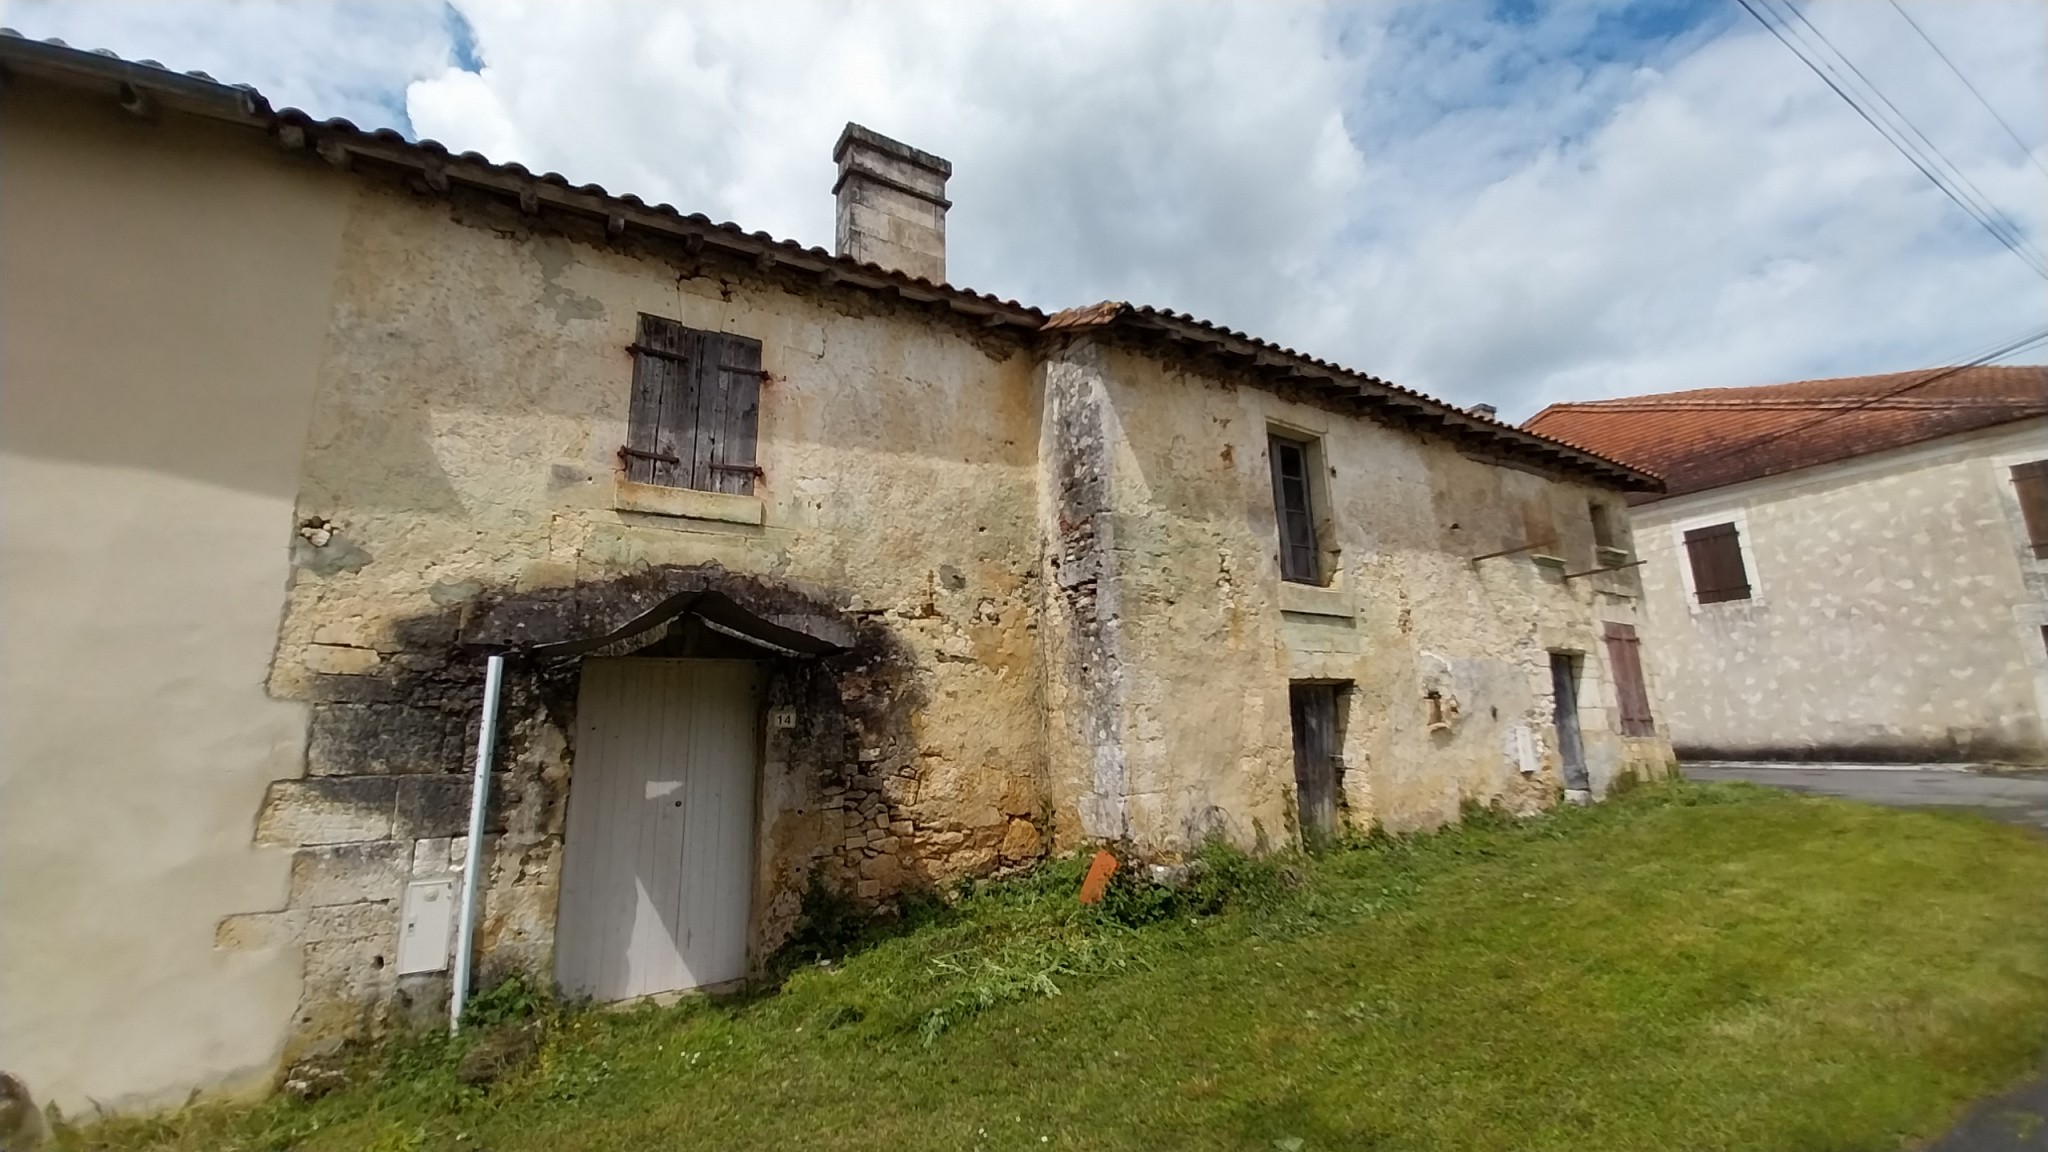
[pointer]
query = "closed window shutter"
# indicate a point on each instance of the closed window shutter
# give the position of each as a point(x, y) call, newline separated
point(728, 406)
point(1624, 657)
point(1715, 553)
point(695, 408)
point(2031, 482)
point(664, 369)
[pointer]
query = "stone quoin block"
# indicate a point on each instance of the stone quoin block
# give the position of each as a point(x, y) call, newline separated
point(434, 806)
point(377, 739)
point(252, 931)
point(327, 810)
point(349, 873)
point(340, 660)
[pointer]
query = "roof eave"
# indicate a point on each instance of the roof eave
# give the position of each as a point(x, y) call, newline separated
point(1370, 392)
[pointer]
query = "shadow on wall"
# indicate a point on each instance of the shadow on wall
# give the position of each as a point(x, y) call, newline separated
point(388, 769)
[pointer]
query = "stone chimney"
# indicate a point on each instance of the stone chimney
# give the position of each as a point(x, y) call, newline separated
point(1486, 410)
point(892, 204)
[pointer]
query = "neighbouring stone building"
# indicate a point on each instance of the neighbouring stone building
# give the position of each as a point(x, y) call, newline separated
point(803, 567)
point(1849, 570)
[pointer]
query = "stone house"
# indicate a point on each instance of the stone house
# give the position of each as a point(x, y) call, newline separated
point(1849, 570)
point(799, 567)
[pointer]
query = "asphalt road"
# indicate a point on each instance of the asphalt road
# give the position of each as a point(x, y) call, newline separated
point(2017, 797)
point(2018, 1120)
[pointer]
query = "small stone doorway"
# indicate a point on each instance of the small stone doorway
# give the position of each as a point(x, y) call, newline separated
point(1313, 711)
point(1571, 749)
point(658, 869)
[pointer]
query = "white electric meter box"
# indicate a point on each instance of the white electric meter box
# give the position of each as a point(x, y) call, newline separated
point(426, 921)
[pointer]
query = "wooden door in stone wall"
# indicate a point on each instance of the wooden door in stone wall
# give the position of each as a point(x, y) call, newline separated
point(658, 863)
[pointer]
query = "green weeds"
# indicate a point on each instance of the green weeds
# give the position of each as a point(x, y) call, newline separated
point(1683, 966)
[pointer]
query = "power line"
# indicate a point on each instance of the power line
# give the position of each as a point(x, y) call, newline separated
point(1936, 166)
point(1929, 41)
point(1972, 202)
point(1955, 170)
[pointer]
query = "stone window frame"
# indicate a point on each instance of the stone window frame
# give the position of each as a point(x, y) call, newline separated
point(1322, 514)
point(2002, 464)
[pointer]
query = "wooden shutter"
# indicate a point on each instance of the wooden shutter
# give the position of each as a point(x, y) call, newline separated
point(1298, 559)
point(695, 408)
point(2030, 480)
point(728, 404)
point(1717, 571)
point(664, 363)
point(1313, 710)
point(1625, 660)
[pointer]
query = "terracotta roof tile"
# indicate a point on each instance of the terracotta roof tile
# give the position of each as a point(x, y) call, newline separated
point(1710, 437)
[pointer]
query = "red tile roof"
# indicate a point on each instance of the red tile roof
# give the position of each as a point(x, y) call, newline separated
point(1710, 437)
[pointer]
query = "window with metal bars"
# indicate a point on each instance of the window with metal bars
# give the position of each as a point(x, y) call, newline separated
point(1717, 570)
point(2030, 481)
point(695, 408)
point(1295, 506)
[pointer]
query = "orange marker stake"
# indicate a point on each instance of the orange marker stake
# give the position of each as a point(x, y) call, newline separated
point(1096, 882)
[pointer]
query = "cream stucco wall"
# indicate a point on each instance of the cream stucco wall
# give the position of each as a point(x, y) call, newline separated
point(1896, 611)
point(163, 298)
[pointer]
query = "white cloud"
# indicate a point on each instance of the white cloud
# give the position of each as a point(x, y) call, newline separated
point(333, 59)
point(1595, 199)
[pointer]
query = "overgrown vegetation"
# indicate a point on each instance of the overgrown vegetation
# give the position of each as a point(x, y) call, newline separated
point(1686, 966)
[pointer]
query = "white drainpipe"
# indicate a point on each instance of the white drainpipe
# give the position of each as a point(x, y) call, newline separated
point(472, 858)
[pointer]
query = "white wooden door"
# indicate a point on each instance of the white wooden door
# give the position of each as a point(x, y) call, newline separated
point(659, 848)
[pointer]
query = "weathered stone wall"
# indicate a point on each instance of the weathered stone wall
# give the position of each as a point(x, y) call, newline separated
point(1896, 611)
point(1061, 582)
point(462, 458)
point(1193, 638)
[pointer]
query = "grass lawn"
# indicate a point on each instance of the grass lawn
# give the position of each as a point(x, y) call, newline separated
point(1685, 967)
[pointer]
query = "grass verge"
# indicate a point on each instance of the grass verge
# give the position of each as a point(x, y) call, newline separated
point(1688, 966)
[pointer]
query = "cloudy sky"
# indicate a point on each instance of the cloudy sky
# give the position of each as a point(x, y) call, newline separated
point(1506, 202)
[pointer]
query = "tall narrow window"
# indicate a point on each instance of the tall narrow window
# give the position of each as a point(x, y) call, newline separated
point(696, 401)
point(1717, 571)
point(1625, 661)
point(1604, 533)
point(2030, 480)
point(1291, 499)
point(1539, 528)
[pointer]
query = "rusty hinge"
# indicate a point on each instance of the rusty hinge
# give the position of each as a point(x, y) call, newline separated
point(685, 358)
point(750, 469)
point(626, 453)
point(663, 353)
